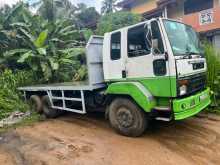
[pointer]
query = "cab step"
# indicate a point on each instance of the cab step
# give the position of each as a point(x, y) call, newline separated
point(163, 119)
point(162, 108)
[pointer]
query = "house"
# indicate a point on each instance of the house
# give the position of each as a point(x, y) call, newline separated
point(203, 15)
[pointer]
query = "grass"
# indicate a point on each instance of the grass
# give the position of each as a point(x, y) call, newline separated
point(213, 111)
point(213, 75)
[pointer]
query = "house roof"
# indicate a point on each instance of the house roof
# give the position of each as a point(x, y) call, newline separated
point(162, 3)
point(127, 3)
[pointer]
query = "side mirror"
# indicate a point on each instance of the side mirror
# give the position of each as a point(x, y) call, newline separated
point(155, 44)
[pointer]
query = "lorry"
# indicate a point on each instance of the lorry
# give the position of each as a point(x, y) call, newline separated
point(155, 69)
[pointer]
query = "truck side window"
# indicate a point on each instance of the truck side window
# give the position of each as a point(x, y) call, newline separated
point(157, 35)
point(116, 46)
point(137, 44)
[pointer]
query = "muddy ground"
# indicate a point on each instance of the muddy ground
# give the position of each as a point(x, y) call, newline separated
point(89, 140)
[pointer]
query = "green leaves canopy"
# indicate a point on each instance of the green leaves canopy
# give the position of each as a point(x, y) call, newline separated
point(49, 48)
point(117, 20)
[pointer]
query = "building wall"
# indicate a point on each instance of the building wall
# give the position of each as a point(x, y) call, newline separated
point(217, 2)
point(147, 5)
point(176, 11)
point(216, 41)
point(193, 20)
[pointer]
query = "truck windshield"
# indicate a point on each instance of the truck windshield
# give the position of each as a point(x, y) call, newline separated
point(183, 39)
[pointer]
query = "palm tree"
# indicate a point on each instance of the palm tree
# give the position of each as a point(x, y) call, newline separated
point(53, 9)
point(46, 9)
point(108, 6)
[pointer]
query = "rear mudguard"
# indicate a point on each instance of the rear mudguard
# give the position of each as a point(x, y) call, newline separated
point(136, 91)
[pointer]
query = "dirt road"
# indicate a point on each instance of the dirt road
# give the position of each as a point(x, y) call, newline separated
point(88, 140)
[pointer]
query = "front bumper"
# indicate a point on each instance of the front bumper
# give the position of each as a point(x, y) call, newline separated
point(190, 106)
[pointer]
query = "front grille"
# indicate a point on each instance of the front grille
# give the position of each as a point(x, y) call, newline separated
point(196, 83)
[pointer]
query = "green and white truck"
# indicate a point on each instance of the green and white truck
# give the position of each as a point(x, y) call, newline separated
point(151, 70)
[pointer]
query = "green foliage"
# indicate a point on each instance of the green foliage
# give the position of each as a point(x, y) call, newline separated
point(86, 16)
point(109, 6)
point(81, 15)
point(117, 20)
point(87, 33)
point(9, 96)
point(213, 75)
point(81, 73)
point(51, 49)
point(55, 9)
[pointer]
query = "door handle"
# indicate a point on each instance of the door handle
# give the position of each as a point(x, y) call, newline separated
point(124, 73)
point(166, 56)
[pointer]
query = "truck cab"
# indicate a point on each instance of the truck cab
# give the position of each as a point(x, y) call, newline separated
point(163, 59)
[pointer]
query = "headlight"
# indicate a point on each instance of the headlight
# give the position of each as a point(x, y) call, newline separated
point(183, 86)
point(183, 90)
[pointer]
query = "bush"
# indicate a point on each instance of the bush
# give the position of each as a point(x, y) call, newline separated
point(117, 20)
point(10, 97)
point(213, 75)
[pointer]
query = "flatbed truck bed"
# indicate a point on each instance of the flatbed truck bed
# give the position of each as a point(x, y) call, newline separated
point(73, 96)
point(82, 85)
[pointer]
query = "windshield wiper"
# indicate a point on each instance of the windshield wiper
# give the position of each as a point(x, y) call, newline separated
point(189, 52)
point(193, 53)
point(189, 55)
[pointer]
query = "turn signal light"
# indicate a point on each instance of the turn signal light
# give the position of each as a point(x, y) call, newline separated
point(183, 82)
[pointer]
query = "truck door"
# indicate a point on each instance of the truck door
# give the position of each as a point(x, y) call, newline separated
point(139, 57)
point(146, 57)
point(114, 66)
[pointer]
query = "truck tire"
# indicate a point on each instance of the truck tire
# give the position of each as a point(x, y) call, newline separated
point(48, 110)
point(127, 118)
point(35, 104)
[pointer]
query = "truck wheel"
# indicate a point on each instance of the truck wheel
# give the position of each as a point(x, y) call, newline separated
point(35, 104)
point(127, 118)
point(48, 110)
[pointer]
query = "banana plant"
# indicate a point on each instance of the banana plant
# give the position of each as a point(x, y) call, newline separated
point(52, 49)
point(48, 52)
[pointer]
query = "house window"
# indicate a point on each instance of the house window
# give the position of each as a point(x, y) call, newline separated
point(137, 43)
point(116, 46)
point(193, 6)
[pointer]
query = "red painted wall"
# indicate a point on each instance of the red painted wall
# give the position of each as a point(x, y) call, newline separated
point(193, 20)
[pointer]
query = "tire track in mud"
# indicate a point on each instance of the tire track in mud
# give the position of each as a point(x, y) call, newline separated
point(29, 149)
point(192, 140)
point(10, 143)
point(90, 140)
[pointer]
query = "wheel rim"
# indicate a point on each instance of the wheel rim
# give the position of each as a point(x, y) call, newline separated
point(46, 106)
point(33, 106)
point(125, 117)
